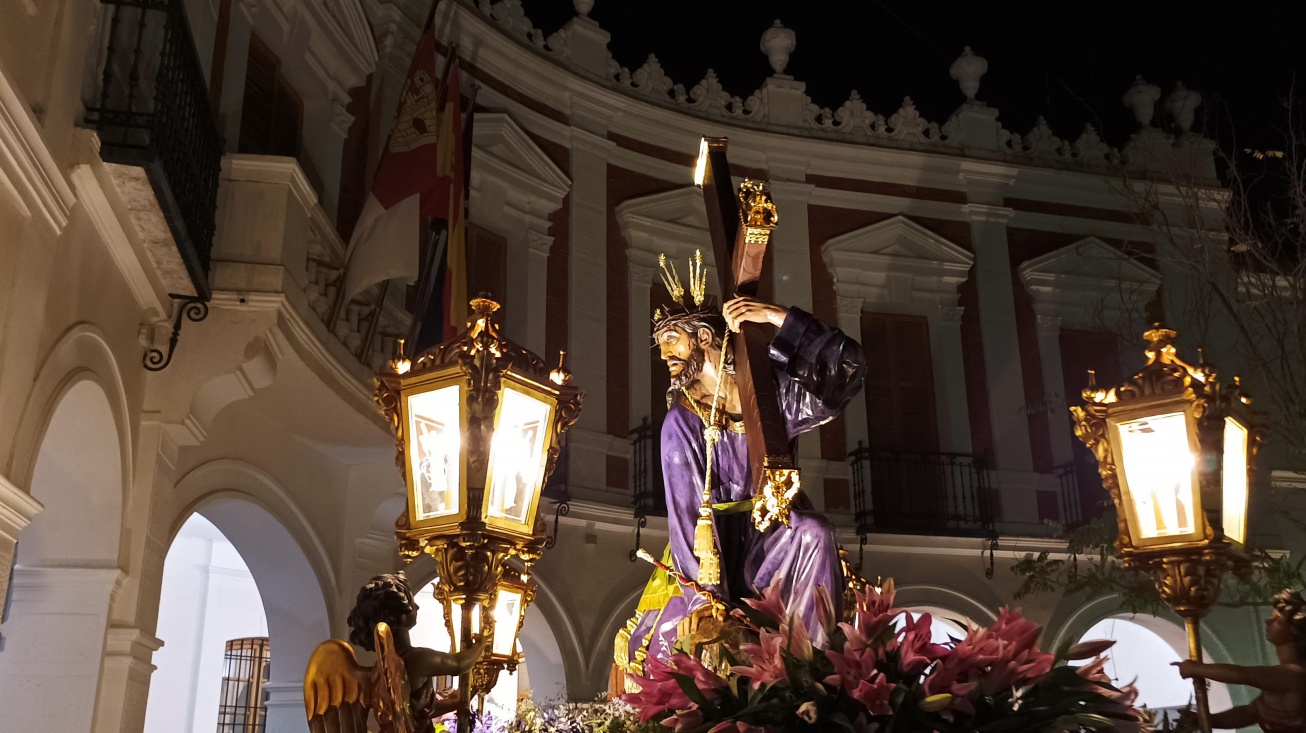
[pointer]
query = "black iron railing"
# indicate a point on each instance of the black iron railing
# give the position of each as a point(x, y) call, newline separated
point(152, 110)
point(647, 494)
point(1082, 497)
point(936, 493)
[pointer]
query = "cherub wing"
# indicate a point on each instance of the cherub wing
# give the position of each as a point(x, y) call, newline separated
point(390, 691)
point(336, 690)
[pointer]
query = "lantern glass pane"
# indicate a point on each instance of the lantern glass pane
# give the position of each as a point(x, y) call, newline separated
point(1235, 481)
point(517, 455)
point(507, 616)
point(433, 452)
point(456, 616)
point(1158, 469)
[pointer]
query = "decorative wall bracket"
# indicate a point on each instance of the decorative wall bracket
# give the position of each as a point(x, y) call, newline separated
point(192, 308)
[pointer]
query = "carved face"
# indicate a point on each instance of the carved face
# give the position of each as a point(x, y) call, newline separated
point(1279, 630)
point(684, 354)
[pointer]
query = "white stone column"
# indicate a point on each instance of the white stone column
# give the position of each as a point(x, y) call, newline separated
point(791, 253)
point(985, 186)
point(1049, 354)
point(16, 511)
point(643, 271)
point(855, 428)
point(997, 313)
point(951, 406)
point(285, 703)
point(588, 293)
point(54, 644)
point(538, 244)
point(127, 667)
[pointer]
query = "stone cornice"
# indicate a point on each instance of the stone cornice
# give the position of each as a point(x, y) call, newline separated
point(17, 508)
point(28, 167)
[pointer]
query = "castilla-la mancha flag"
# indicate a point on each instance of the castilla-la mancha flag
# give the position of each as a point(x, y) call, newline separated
point(420, 174)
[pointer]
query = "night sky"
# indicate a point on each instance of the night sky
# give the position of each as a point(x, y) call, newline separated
point(1071, 64)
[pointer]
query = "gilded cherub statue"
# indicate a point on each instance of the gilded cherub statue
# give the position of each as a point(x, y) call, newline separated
point(399, 690)
point(1281, 706)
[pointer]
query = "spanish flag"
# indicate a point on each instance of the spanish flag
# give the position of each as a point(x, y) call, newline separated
point(420, 175)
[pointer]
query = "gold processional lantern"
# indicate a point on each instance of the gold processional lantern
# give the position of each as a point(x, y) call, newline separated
point(479, 423)
point(1175, 448)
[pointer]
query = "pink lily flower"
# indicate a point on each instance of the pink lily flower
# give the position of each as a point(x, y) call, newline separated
point(685, 720)
point(770, 601)
point(767, 659)
point(874, 692)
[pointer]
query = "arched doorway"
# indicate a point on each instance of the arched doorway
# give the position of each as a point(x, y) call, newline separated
point(945, 625)
point(1146, 648)
point(209, 600)
point(65, 569)
point(286, 559)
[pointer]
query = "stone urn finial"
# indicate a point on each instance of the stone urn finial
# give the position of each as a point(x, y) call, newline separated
point(777, 43)
point(1182, 103)
point(967, 70)
point(1141, 98)
point(583, 7)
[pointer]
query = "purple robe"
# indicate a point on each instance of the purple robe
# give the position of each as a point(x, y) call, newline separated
point(818, 370)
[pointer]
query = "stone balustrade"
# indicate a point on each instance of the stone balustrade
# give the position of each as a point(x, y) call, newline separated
point(782, 105)
point(275, 237)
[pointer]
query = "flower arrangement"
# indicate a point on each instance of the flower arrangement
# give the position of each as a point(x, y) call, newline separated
point(882, 673)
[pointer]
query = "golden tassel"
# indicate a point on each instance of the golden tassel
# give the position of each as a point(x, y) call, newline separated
point(709, 560)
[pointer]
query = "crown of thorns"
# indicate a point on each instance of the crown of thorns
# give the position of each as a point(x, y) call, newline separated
point(691, 309)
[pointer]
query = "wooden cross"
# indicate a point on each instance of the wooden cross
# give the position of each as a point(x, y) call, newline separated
point(740, 222)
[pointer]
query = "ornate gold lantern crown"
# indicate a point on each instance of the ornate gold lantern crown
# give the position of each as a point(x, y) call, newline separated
point(697, 294)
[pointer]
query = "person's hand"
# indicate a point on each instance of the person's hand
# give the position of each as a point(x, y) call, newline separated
point(747, 310)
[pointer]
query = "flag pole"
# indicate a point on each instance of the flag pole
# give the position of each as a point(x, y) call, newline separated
point(438, 244)
point(337, 303)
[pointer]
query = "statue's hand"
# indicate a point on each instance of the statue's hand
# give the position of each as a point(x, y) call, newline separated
point(1188, 668)
point(747, 310)
point(701, 624)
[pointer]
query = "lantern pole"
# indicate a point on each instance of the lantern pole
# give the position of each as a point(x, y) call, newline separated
point(1192, 624)
point(465, 680)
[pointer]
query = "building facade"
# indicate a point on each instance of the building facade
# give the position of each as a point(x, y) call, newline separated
point(179, 180)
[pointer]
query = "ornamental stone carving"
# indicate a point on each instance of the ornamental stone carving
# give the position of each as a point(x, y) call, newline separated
point(967, 70)
point(782, 106)
point(777, 43)
point(1141, 99)
point(1182, 103)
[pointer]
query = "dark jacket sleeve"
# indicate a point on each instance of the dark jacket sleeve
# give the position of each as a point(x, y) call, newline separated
point(819, 369)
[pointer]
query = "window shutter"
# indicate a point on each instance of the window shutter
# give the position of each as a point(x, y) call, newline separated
point(272, 114)
point(487, 264)
point(899, 383)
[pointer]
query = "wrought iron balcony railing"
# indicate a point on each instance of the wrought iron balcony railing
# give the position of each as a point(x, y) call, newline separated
point(152, 111)
point(1082, 497)
point(920, 492)
point(647, 494)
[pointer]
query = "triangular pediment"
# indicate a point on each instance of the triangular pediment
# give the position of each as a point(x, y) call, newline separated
point(1088, 260)
point(898, 238)
point(671, 222)
point(352, 21)
point(682, 206)
point(501, 145)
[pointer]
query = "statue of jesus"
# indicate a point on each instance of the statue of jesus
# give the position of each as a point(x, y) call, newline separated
point(818, 370)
